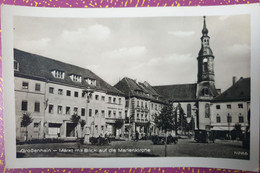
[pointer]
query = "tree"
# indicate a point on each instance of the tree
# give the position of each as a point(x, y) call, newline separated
point(82, 124)
point(119, 124)
point(182, 120)
point(165, 121)
point(75, 119)
point(26, 121)
point(237, 131)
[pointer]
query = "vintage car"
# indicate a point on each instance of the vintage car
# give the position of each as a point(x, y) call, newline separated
point(160, 139)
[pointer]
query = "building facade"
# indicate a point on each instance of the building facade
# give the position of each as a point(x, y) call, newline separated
point(230, 108)
point(51, 92)
point(142, 104)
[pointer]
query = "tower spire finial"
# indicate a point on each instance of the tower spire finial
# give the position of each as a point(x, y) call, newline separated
point(204, 30)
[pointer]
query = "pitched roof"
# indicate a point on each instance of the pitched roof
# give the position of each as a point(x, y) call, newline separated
point(182, 92)
point(240, 91)
point(137, 89)
point(32, 65)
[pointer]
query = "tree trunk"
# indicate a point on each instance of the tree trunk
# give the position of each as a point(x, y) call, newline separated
point(165, 144)
point(26, 134)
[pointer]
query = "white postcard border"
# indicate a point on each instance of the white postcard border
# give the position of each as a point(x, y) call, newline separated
point(9, 121)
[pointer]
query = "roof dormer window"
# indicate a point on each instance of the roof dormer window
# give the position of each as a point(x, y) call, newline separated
point(92, 82)
point(16, 65)
point(58, 74)
point(75, 78)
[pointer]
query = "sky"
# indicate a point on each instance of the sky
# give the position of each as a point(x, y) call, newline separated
point(159, 50)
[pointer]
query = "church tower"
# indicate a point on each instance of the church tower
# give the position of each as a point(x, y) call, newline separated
point(205, 58)
point(206, 77)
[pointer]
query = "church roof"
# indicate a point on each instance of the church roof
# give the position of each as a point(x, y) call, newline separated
point(240, 91)
point(182, 92)
point(36, 66)
point(133, 88)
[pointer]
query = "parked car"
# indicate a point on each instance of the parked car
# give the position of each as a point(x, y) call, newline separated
point(160, 140)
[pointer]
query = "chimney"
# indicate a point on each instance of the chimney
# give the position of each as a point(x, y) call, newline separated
point(234, 80)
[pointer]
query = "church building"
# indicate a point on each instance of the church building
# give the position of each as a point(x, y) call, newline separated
point(195, 99)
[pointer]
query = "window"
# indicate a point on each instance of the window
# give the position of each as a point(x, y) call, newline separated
point(152, 105)
point(205, 91)
point(138, 104)
point(188, 110)
point(228, 106)
point(76, 94)
point(120, 114)
point(109, 99)
point(114, 113)
point(109, 113)
point(75, 78)
point(59, 109)
point(83, 94)
point(218, 119)
point(146, 117)
point(142, 104)
point(137, 116)
point(207, 110)
point(90, 112)
point(91, 81)
point(127, 103)
point(114, 100)
point(51, 90)
point(60, 91)
point(67, 110)
point(229, 118)
point(82, 112)
point(68, 93)
point(96, 113)
point(75, 110)
point(97, 97)
point(51, 109)
point(36, 126)
point(240, 119)
point(58, 74)
point(25, 85)
point(119, 101)
point(103, 98)
point(240, 106)
point(37, 87)
point(16, 66)
point(103, 114)
point(37, 107)
point(146, 105)
point(24, 105)
point(217, 106)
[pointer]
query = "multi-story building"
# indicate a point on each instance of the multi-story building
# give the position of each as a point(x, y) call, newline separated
point(230, 108)
point(51, 92)
point(142, 104)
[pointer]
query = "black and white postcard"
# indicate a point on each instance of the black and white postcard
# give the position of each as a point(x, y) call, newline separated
point(151, 87)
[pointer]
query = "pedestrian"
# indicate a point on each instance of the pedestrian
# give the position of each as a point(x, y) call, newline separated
point(136, 135)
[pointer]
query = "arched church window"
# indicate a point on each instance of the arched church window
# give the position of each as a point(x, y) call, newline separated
point(205, 91)
point(205, 65)
point(189, 110)
point(207, 110)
